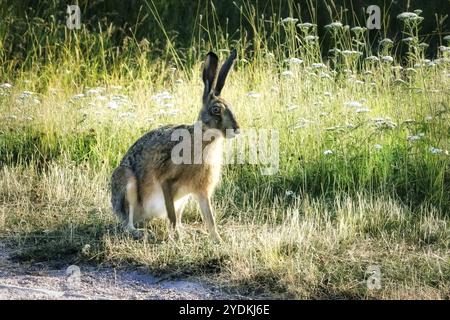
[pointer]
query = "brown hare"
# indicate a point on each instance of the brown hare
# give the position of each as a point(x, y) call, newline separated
point(149, 183)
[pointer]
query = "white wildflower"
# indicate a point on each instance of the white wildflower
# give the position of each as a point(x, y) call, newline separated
point(372, 58)
point(291, 107)
point(290, 193)
point(294, 61)
point(253, 94)
point(407, 16)
point(306, 25)
point(324, 75)
point(311, 38)
point(413, 138)
point(387, 59)
point(351, 53)
point(378, 146)
point(289, 20)
point(434, 150)
point(303, 123)
point(358, 29)
point(328, 152)
point(164, 95)
point(386, 42)
point(168, 104)
point(78, 96)
point(409, 39)
point(120, 97)
point(93, 91)
point(334, 25)
point(353, 104)
point(318, 65)
point(362, 110)
point(113, 105)
point(6, 85)
point(26, 94)
point(334, 50)
point(287, 74)
point(355, 81)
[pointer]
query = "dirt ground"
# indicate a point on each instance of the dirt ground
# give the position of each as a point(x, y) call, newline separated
point(39, 281)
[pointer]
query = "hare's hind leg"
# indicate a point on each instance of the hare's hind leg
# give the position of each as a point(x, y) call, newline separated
point(133, 206)
point(124, 197)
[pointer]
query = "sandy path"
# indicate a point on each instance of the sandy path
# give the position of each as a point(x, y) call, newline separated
point(18, 281)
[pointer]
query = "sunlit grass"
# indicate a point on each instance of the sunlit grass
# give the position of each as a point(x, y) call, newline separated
point(363, 176)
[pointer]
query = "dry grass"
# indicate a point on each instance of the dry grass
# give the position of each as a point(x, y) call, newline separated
point(364, 157)
point(310, 249)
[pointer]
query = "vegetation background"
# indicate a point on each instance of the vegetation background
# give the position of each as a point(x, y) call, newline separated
point(363, 121)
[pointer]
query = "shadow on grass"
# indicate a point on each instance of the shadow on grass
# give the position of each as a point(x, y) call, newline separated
point(66, 244)
point(85, 244)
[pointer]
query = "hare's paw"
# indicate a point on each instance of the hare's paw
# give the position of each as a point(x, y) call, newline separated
point(135, 233)
point(216, 238)
point(177, 234)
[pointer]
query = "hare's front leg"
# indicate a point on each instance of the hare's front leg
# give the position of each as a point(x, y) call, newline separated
point(208, 216)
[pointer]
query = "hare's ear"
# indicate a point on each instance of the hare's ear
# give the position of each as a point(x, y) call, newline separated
point(226, 67)
point(209, 73)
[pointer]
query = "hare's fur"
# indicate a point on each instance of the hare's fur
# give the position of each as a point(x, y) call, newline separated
point(147, 183)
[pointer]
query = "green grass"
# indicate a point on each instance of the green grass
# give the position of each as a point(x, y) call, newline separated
point(381, 197)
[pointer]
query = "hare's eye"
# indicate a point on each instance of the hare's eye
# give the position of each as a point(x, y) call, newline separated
point(215, 110)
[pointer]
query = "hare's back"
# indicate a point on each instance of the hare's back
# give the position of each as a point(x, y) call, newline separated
point(154, 146)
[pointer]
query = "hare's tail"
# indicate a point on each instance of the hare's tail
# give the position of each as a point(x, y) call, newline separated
point(119, 181)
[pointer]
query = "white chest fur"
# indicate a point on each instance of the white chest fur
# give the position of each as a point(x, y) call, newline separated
point(154, 205)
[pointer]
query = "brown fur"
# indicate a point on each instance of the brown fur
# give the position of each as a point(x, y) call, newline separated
point(148, 182)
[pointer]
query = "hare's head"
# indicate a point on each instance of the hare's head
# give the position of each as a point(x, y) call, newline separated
point(216, 112)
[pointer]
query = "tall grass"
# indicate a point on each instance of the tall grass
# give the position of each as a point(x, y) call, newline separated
point(364, 166)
